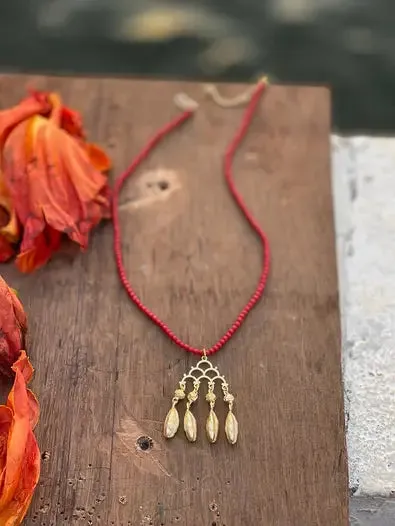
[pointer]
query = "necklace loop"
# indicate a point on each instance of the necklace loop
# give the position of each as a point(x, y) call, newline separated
point(182, 100)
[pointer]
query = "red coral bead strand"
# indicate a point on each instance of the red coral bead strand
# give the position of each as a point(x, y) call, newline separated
point(228, 173)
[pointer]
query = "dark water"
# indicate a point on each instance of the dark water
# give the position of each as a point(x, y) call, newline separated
point(348, 45)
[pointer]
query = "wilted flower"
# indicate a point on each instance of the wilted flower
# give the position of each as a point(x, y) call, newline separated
point(51, 180)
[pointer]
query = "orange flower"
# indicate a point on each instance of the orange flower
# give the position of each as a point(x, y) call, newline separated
point(13, 327)
point(51, 176)
point(19, 452)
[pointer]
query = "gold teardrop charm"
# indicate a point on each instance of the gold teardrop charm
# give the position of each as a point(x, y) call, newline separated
point(212, 427)
point(172, 421)
point(231, 428)
point(190, 426)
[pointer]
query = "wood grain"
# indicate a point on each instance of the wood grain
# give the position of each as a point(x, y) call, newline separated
point(105, 375)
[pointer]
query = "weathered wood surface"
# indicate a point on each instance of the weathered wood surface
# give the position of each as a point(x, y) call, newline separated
point(105, 375)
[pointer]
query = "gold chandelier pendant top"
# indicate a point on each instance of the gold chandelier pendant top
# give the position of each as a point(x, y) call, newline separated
point(203, 371)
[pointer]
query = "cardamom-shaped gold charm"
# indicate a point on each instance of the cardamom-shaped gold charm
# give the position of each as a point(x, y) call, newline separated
point(171, 424)
point(203, 371)
point(172, 420)
point(212, 426)
point(190, 426)
point(231, 428)
point(231, 424)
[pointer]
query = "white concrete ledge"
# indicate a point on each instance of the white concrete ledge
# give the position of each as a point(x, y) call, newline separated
point(363, 171)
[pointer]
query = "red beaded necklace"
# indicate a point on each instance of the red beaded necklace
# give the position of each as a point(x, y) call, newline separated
point(204, 370)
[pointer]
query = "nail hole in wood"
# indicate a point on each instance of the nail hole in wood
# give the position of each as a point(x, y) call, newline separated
point(163, 185)
point(144, 443)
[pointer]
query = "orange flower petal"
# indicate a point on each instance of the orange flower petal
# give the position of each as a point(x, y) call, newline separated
point(21, 467)
point(15, 511)
point(5, 425)
point(98, 157)
point(9, 228)
point(71, 122)
point(37, 250)
point(19, 312)
point(13, 328)
point(29, 106)
point(14, 159)
point(90, 185)
point(6, 250)
point(32, 191)
point(25, 367)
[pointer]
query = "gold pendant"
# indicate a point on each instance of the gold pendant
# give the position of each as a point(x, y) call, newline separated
point(204, 370)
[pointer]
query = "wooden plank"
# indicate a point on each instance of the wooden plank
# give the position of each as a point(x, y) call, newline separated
point(105, 375)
